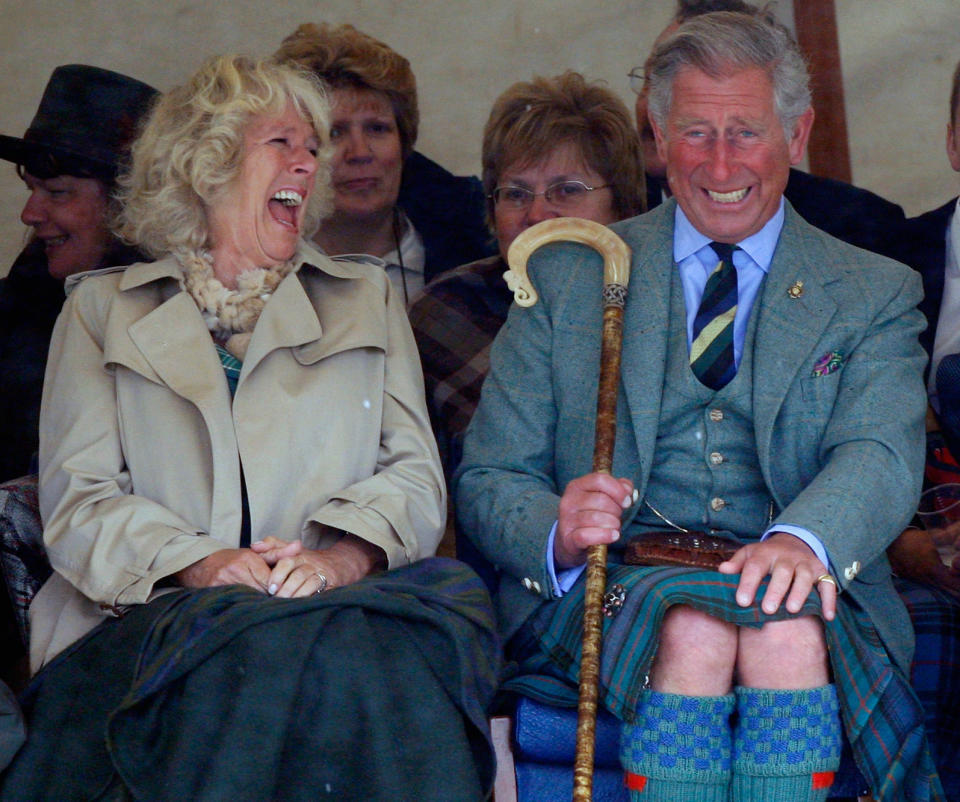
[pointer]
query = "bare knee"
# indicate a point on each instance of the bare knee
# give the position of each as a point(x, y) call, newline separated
point(696, 655)
point(783, 654)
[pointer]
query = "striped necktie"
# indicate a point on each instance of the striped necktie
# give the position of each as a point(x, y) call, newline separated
point(711, 352)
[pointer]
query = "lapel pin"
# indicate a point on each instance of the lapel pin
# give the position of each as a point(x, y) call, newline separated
point(796, 290)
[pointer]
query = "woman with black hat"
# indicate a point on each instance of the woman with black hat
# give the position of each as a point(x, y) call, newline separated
point(68, 158)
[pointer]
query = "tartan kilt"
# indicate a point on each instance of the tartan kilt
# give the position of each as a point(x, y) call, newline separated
point(881, 715)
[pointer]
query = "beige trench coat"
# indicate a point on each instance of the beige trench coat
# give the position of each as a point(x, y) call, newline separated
point(141, 447)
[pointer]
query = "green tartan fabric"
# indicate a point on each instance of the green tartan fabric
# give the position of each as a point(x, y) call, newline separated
point(881, 716)
point(373, 691)
point(231, 367)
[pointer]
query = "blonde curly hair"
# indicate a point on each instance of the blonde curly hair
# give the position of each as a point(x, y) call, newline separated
point(192, 148)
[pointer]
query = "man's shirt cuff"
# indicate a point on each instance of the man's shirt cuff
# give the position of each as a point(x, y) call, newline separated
point(562, 582)
point(806, 536)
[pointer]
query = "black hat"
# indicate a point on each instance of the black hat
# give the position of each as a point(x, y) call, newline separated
point(87, 119)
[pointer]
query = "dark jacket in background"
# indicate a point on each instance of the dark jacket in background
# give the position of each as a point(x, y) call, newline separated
point(30, 301)
point(924, 247)
point(448, 212)
point(850, 213)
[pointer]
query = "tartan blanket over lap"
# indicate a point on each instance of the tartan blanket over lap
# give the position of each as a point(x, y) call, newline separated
point(377, 690)
point(881, 715)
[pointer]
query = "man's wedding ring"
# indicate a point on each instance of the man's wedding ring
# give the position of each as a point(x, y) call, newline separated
point(821, 578)
point(323, 582)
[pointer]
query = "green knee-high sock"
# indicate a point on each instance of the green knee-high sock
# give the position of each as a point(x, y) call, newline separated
point(679, 748)
point(786, 745)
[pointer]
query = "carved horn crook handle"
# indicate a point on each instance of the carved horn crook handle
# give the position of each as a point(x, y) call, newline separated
point(616, 277)
point(616, 254)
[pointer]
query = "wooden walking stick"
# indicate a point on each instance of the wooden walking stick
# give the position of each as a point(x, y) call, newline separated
point(616, 276)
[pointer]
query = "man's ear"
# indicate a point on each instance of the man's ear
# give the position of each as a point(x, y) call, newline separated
point(800, 137)
point(661, 140)
point(953, 146)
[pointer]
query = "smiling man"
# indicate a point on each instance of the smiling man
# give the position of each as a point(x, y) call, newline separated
point(726, 150)
point(850, 213)
point(771, 396)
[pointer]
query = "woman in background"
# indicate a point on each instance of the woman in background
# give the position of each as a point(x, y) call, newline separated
point(392, 206)
point(68, 158)
point(552, 147)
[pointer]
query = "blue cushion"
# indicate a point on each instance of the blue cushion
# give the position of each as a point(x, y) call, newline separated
point(545, 734)
point(549, 782)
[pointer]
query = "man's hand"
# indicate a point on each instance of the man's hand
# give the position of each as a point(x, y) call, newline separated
point(589, 514)
point(793, 569)
point(948, 535)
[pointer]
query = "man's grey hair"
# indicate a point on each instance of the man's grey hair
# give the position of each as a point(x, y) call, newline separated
point(724, 43)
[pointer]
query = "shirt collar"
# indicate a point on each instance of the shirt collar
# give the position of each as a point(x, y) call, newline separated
point(759, 247)
point(411, 250)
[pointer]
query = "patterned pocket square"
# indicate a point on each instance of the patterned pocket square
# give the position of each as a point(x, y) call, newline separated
point(828, 363)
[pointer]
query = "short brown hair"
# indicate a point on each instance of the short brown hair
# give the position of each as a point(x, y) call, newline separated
point(532, 117)
point(346, 58)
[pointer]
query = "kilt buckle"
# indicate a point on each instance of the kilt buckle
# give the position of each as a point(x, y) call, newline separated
point(613, 600)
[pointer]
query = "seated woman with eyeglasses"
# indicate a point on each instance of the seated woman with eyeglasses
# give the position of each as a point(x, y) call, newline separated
point(552, 147)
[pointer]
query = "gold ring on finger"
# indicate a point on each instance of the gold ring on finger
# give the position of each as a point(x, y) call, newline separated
point(826, 578)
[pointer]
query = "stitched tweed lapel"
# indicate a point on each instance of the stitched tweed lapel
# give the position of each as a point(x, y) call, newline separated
point(792, 319)
point(646, 329)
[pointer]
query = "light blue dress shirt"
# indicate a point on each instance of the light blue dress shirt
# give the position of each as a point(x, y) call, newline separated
point(696, 260)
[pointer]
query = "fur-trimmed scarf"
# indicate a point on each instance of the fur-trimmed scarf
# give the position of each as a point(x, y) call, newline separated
point(230, 315)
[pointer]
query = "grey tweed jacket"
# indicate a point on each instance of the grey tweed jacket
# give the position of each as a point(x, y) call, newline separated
point(841, 453)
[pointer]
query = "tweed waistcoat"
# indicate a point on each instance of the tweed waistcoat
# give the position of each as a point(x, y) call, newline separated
point(706, 473)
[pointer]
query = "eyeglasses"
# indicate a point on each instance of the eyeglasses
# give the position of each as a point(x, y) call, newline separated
point(638, 79)
point(562, 195)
